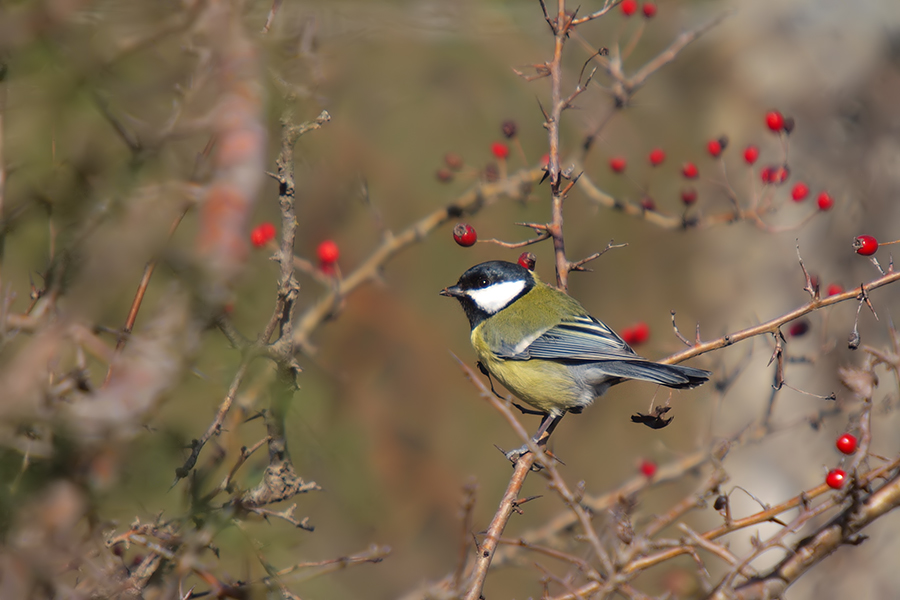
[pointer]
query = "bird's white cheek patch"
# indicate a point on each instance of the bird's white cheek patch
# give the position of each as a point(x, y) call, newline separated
point(497, 296)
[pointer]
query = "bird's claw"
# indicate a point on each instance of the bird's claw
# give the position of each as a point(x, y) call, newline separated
point(513, 456)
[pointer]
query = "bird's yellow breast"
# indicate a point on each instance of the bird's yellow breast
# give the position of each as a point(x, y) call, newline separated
point(546, 385)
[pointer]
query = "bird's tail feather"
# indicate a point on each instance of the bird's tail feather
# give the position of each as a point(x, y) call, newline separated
point(673, 376)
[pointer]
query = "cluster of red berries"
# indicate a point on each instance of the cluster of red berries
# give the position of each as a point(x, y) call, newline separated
point(770, 174)
point(465, 235)
point(453, 163)
point(775, 174)
point(327, 252)
point(846, 444)
point(629, 7)
point(800, 191)
point(778, 174)
point(636, 334)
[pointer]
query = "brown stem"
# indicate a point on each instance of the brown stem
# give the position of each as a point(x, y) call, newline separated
point(812, 550)
point(552, 124)
point(772, 325)
point(498, 524)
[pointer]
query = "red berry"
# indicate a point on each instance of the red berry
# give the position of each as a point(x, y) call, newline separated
point(647, 203)
point(657, 156)
point(834, 289)
point(454, 161)
point(444, 175)
point(781, 175)
point(262, 234)
point(628, 7)
point(799, 191)
point(636, 334)
point(825, 201)
point(649, 10)
point(846, 443)
point(688, 196)
point(689, 170)
point(617, 164)
point(545, 160)
point(648, 468)
point(714, 148)
point(328, 252)
point(527, 260)
point(835, 478)
point(464, 235)
point(500, 150)
point(799, 328)
point(774, 120)
point(751, 153)
point(774, 174)
point(865, 245)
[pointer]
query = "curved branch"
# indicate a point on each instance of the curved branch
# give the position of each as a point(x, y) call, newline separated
point(772, 325)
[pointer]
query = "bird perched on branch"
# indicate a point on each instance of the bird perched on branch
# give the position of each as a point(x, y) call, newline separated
point(544, 346)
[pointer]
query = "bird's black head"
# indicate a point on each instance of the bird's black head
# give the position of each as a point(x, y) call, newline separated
point(490, 287)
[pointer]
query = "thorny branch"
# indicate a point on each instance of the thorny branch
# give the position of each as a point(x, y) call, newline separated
point(771, 326)
point(281, 351)
point(639, 554)
point(615, 577)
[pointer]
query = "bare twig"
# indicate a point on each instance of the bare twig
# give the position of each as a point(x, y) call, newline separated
point(772, 325)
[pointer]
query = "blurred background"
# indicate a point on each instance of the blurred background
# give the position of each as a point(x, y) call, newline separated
point(384, 420)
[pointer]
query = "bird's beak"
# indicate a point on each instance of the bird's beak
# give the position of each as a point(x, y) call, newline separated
point(452, 291)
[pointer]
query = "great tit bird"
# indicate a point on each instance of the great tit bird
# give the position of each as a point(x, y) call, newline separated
point(544, 346)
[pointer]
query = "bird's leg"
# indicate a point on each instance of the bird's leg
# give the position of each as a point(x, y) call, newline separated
point(540, 437)
point(547, 426)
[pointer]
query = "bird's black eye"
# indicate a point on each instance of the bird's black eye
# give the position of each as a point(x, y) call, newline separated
point(483, 283)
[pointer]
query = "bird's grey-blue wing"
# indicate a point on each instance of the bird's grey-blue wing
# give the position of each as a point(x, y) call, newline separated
point(600, 358)
point(580, 339)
